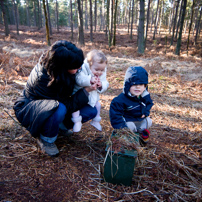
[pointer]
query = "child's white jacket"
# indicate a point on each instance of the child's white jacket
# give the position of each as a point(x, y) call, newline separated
point(83, 78)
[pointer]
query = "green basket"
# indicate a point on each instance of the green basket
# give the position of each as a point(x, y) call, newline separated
point(119, 167)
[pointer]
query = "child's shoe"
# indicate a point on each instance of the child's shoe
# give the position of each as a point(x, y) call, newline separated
point(96, 123)
point(77, 124)
point(144, 136)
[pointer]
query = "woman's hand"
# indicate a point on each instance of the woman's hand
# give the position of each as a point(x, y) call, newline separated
point(91, 88)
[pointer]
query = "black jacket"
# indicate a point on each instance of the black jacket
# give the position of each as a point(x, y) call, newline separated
point(38, 101)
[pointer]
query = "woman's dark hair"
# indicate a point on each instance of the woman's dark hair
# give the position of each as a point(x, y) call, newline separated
point(61, 56)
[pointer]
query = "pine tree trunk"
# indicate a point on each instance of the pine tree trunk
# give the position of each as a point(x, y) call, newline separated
point(192, 14)
point(16, 17)
point(115, 13)
point(152, 18)
point(156, 20)
point(100, 18)
point(34, 11)
point(72, 26)
point(39, 24)
point(107, 24)
point(103, 15)
point(179, 18)
point(174, 23)
point(4, 18)
point(141, 28)
point(111, 19)
point(161, 16)
point(171, 15)
point(49, 20)
point(198, 26)
point(80, 24)
point(177, 52)
point(95, 16)
point(147, 23)
point(86, 14)
point(137, 13)
point(126, 12)
point(46, 21)
point(56, 15)
point(28, 14)
point(132, 17)
point(129, 16)
point(91, 22)
point(12, 15)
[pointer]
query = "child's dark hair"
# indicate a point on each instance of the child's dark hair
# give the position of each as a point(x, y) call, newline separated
point(61, 56)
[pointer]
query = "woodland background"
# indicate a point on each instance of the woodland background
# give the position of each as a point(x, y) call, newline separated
point(162, 36)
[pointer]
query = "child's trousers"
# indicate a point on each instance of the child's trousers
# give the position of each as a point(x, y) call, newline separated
point(139, 126)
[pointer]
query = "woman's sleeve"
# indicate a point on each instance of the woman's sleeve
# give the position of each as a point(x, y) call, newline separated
point(77, 101)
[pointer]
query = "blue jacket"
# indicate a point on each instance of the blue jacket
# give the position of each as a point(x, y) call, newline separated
point(124, 107)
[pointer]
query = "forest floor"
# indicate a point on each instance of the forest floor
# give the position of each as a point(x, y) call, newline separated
point(169, 168)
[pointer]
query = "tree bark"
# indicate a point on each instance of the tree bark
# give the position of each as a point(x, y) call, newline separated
point(72, 27)
point(4, 18)
point(132, 18)
point(107, 24)
point(129, 15)
point(56, 15)
point(156, 20)
point(141, 28)
point(91, 22)
point(147, 23)
point(178, 23)
point(111, 18)
point(16, 17)
point(177, 52)
point(95, 16)
point(198, 26)
point(152, 18)
point(161, 16)
point(115, 13)
point(46, 22)
point(86, 14)
point(171, 15)
point(34, 10)
point(49, 19)
point(103, 15)
point(80, 24)
point(39, 23)
point(174, 23)
point(28, 14)
point(190, 25)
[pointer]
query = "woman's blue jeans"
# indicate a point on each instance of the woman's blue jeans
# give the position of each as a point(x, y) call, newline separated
point(50, 130)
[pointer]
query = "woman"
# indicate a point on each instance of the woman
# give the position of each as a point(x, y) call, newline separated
point(47, 101)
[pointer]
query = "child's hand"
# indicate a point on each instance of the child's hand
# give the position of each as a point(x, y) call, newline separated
point(99, 83)
point(93, 80)
point(143, 116)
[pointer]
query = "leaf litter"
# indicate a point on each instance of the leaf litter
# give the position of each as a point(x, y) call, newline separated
point(169, 168)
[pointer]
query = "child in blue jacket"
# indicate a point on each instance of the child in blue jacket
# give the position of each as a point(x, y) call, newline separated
point(131, 108)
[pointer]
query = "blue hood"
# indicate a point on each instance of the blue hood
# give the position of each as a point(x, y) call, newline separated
point(134, 76)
